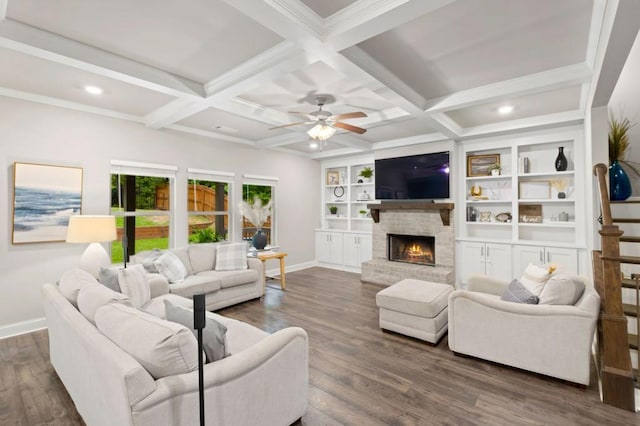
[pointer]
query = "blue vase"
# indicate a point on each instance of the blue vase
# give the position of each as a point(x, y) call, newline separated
point(259, 240)
point(619, 184)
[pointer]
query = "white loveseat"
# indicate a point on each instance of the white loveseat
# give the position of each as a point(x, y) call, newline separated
point(263, 381)
point(554, 340)
point(221, 288)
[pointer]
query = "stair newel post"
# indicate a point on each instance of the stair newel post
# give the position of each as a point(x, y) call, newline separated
point(616, 373)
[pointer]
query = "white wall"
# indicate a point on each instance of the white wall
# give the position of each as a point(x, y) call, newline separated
point(625, 102)
point(37, 133)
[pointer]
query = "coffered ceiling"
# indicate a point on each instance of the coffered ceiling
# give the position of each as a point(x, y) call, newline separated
point(422, 70)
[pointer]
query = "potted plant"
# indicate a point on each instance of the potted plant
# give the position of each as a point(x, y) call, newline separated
point(619, 184)
point(366, 174)
point(257, 214)
point(363, 213)
point(494, 169)
point(333, 209)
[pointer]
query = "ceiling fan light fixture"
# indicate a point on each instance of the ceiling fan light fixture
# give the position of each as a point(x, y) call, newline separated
point(321, 132)
point(313, 144)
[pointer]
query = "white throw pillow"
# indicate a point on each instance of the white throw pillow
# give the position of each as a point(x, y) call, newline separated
point(171, 267)
point(534, 278)
point(231, 257)
point(562, 289)
point(133, 283)
point(162, 347)
point(202, 256)
point(72, 281)
point(93, 297)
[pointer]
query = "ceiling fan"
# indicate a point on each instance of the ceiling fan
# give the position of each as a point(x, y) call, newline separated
point(325, 122)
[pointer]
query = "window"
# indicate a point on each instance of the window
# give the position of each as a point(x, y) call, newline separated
point(263, 188)
point(142, 201)
point(208, 201)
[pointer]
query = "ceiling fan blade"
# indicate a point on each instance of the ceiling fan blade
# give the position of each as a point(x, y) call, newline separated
point(349, 127)
point(358, 114)
point(288, 125)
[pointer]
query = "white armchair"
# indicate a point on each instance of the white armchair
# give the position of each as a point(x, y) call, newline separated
point(554, 340)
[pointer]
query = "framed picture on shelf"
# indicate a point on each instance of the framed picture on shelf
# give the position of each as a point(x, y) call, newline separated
point(44, 196)
point(530, 213)
point(333, 177)
point(540, 190)
point(478, 165)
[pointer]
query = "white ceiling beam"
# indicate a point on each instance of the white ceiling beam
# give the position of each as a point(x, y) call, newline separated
point(363, 20)
point(534, 83)
point(341, 152)
point(174, 111)
point(257, 112)
point(348, 140)
point(3, 9)
point(47, 100)
point(410, 140)
point(282, 140)
point(44, 45)
point(211, 135)
point(595, 31)
point(532, 123)
point(362, 63)
point(445, 125)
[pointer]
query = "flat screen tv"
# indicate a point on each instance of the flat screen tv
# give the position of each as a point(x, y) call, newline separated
point(416, 177)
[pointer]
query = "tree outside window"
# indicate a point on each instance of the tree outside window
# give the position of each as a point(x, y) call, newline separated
point(208, 206)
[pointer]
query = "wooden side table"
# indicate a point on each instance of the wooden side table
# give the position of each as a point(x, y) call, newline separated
point(275, 255)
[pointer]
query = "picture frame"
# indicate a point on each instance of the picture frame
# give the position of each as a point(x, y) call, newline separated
point(44, 196)
point(333, 177)
point(530, 213)
point(535, 190)
point(478, 165)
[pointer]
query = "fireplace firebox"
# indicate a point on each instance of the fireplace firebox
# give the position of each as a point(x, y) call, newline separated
point(416, 249)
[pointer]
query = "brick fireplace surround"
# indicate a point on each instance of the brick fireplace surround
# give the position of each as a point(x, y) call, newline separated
point(411, 219)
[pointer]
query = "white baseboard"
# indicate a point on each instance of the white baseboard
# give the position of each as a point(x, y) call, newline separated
point(274, 272)
point(22, 327)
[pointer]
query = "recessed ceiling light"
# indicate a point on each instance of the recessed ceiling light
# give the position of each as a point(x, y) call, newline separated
point(505, 109)
point(94, 90)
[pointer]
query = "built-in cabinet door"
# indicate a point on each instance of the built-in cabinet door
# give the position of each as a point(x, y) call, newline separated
point(565, 258)
point(357, 249)
point(485, 259)
point(329, 247)
point(472, 259)
point(498, 261)
point(366, 248)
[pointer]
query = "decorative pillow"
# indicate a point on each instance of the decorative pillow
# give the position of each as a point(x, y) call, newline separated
point(562, 289)
point(231, 257)
point(202, 256)
point(518, 293)
point(212, 334)
point(534, 278)
point(109, 277)
point(171, 267)
point(92, 297)
point(162, 347)
point(148, 262)
point(183, 255)
point(72, 281)
point(133, 282)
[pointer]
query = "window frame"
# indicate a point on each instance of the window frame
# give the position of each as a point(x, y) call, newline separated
point(218, 177)
point(261, 180)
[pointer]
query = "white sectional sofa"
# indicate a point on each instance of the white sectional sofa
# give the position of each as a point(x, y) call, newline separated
point(263, 380)
point(221, 288)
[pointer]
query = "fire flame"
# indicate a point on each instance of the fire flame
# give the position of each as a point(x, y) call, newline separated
point(417, 251)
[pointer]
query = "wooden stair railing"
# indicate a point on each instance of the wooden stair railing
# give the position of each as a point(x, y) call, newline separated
point(615, 369)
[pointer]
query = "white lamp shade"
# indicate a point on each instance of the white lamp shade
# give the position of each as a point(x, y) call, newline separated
point(91, 229)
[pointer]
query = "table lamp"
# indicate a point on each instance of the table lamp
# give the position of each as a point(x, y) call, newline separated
point(93, 230)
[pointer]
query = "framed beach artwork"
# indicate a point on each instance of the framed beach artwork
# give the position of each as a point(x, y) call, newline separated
point(44, 197)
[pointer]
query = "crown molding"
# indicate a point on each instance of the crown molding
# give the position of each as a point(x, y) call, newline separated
point(411, 140)
point(210, 135)
point(446, 125)
point(566, 118)
point(300, 14)
point(174, 111)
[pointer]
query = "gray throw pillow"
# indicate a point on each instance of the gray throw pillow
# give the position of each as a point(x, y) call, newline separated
point(212, 334)
point(109, 277)
point(516, 292)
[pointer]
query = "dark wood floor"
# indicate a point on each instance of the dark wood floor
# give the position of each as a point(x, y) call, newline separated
point(359, 375)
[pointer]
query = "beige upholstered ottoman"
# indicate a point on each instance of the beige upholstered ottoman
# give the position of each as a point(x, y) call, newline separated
point(415, 308)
